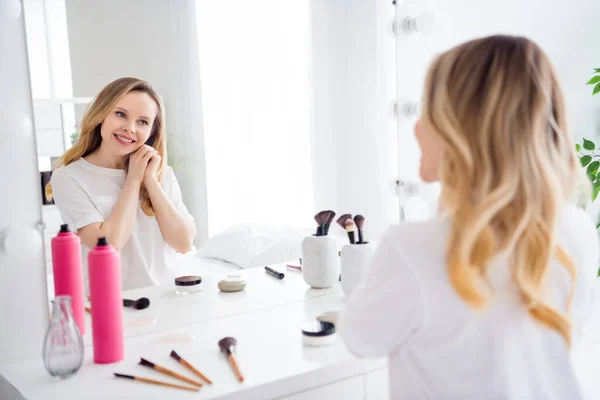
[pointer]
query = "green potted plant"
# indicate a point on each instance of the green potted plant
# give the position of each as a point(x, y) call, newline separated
point(588, 154)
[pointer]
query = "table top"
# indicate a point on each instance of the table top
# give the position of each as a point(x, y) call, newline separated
point(169, 310)
point(266, 319)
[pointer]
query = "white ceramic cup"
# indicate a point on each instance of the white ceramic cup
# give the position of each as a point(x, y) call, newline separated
point(320, 261)
point(355, 259)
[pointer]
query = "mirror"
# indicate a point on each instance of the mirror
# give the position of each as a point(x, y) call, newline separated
point(235, 88)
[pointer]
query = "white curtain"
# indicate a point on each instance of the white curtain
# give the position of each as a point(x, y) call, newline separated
point(254, 68)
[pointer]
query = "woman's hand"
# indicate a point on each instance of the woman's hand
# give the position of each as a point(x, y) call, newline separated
point(138, 163)
point(151, 169)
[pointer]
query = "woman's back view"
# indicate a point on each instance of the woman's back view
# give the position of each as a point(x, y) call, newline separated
point(481, 302)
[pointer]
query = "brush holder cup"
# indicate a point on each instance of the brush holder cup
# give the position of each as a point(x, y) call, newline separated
point(320, 261)
point(354, 260)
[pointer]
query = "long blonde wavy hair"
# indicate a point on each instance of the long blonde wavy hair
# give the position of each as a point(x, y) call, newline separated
point(508, 166)
point(90, 138)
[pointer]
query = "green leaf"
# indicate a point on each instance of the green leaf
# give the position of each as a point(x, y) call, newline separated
point(593, 167)
point(588, 144)
point(595, 79)
point(597, 69)
point(585, 160)
point(596, 89)
point(596, 190)
point(577, 147)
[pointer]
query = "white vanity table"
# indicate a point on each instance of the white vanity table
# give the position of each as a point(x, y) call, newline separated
point(265, 318)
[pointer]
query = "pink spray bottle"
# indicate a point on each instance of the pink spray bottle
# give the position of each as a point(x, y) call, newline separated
point(68, 276)
point(104, 266)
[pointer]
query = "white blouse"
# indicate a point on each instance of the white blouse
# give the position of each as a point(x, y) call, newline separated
point(439, 347)
point(85, 193)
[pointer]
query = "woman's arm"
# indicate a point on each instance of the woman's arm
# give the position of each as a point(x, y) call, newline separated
point(385, 308)
point(178, 230)
point(118, 226)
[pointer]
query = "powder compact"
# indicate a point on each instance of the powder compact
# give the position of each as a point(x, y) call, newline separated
point(187, 284)
point(318, 333)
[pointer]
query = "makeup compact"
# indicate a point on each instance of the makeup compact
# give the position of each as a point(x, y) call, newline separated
point(233, 283)
point(187, 284)
point(318, 333)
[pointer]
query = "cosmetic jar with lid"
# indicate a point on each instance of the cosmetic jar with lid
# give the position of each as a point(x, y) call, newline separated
point(318, 333)
point(187, 284)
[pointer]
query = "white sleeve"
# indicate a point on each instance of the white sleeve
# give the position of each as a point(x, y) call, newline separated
point(385, 308)
point(172, 189)
point(75, 206)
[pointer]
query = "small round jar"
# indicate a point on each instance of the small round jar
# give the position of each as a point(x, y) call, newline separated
point(318, 333)
point(187, 284)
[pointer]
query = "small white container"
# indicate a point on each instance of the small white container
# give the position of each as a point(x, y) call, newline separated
point(320, 261)
point(317, 333)
point(354, 260)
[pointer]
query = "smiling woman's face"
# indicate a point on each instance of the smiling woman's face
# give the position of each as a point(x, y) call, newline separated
point(129, 124)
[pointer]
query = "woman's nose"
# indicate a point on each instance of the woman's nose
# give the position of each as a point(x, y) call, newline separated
point(128, 127)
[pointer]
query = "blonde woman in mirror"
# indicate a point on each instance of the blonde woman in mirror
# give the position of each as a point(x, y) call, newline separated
point(115, 182)
point(485, 300)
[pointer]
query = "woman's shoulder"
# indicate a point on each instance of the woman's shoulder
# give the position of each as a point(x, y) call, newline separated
point(414, 241)
point(425, 232)
point(71, 170)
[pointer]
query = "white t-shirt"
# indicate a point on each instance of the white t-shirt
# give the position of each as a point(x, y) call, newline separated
point(439, 347)
point(85, 193)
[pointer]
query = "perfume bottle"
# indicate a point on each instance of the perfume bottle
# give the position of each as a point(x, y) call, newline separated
point(63, 344)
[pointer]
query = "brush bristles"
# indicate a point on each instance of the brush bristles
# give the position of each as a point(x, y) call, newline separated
point(331, 217)
point(359, 220)
point(321, 217)
point(341, 221)
point(349, 226)
point(175, 355)
point(146, 363)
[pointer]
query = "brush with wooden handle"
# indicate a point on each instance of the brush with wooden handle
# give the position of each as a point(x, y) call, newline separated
point(167, 371)
point(227, 346)
point(190, 367)
point(155, 382)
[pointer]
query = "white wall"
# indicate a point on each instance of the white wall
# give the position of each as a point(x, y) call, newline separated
point(567, 31)
point(153, 40)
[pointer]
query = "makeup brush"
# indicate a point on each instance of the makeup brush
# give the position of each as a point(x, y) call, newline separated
point(227, 346)
point(139, 304)
point(329, 221)
point(190, 367)
point(359, 220)
point(350, 228)
point(321, 219)
point(166, 371)
point(154, 382)
point(341, 221)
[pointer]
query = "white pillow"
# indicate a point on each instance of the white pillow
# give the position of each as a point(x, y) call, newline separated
point(255, 245)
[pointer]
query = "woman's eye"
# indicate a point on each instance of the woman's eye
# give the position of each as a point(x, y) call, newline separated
point(143, 122)
point(120, 114)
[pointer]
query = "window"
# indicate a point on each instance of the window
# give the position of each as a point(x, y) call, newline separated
point(254, 66)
